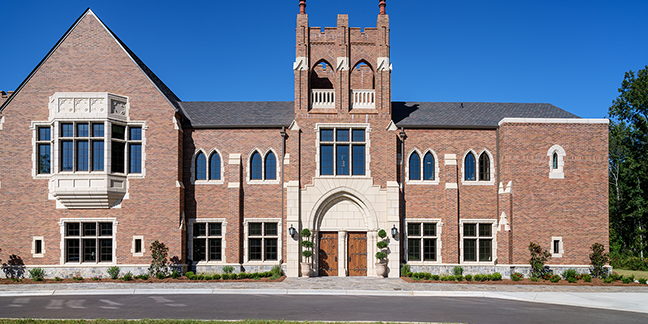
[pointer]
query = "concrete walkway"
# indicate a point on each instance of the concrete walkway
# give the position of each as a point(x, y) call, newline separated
point(634, 299)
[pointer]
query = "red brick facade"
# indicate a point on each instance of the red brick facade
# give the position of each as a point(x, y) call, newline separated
point(520, 197)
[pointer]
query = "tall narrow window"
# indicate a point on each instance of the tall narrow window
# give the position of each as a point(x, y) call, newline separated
point(270, 167)
point(415, 167)
point(135, 150)
point(257, 167)
point(358, 138)
point(484, 167)
point(118, 148)
point(201, 167)
point(97, 154)
point(428, 167)
point(555, 161)
point(214, 167)
point(44, 149)
point(469, 167)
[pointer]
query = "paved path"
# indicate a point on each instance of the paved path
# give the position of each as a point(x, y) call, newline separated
point(633, 299)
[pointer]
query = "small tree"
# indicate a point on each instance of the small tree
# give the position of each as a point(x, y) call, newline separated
point(538, 259)
point(382, 245)
point(306, 244)
point(599, 259)
point(159, 254)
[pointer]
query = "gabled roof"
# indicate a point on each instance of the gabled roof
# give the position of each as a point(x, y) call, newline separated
point(243, 114)
point(469, 114)
point(164, 90)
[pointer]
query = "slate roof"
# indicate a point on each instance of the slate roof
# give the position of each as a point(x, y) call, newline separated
point(469, 114)
point(223, 114)
point(229, 114)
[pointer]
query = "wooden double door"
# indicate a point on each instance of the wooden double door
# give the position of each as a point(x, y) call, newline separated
point(356, 254)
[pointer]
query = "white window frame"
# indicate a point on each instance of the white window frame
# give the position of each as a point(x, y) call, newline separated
point(493, 237)
point(208, 168)
point(246, 247)
point(64, 221)
point(33, 249)
point(478, 182)
point(421, 158)
point(439, 243)
point(561, 249)
point(263, 155)
point(367, 144)
point(135, 253)
point(223, 222)
point(559, 172)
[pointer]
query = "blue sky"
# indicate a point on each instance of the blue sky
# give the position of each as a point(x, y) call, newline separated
point(572, 54)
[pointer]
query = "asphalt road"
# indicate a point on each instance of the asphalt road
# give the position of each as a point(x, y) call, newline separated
point(307, 307)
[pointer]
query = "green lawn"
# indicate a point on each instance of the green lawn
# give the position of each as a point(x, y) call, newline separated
point(637, 274)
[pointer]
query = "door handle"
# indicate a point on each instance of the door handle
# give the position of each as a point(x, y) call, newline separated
point(335, 259)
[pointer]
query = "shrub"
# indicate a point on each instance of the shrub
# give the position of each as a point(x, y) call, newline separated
point(200, 276)
point(143, 276)
point(572, 280)
point(216, 276)
point(459, 278)
point(128, 276)
point(77, 277)
point(570, 273)
point(275, 271)
point(175, 274)
point(381, 255)
point(538, 258)
point(58, 279)
point(554, 278)
point(457, 271)
point(159, 254)
point(409, 274)
point(161, 275)
point(615, 276)
point(37, 274)
point(469, 277)
point(642, 281)
point(599, 258)
point(95, 278)
point(225, 276)
point(608, 280)
point(113, 272)
point(586, 277)
point(516, 276)
point(381, 244)
point(496, 276)
point(534, 279)
point(434, 277)
point(428, 276)
point(190, 275)
point(404, 270)
point(228, 269)
point(627, 280)
point(477, 277)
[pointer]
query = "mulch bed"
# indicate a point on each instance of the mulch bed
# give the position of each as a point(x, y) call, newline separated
point(541, 282)
point(149, 280)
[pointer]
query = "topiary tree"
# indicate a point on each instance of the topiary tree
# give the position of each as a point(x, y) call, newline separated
point(599, 259)
point(538, 259)
point(382, 245)
point(159, 254)
point(306, 244)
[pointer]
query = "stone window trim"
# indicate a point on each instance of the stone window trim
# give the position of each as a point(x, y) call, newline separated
point(439, 242)
point(558, 172)
point(143, 246)
point(561, 250)
point(421, 160)
point(365, 126)
point(64, 221)
point(190, 234)
point(208, 156)
point(34, 251)
point(478, 182)
point(246, 247)
point(264, 155)
point(493, 236)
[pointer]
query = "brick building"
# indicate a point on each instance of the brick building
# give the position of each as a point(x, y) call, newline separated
point(99, 158)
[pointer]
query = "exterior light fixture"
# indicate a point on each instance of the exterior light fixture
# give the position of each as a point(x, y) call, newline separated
point(291, 231)
point(394, 231)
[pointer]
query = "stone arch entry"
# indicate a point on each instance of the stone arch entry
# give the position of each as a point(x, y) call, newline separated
point(345, 227)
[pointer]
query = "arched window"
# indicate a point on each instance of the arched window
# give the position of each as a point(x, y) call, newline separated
point(214, 167)
point(428, 167)
point(469, 167)
point(270, 167)
point(201, 167)
point(256, 165)
point(414, 167)
point(554, 161)
point(484, 167)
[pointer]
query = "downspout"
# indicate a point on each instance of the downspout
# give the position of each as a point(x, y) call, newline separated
point(283, 156)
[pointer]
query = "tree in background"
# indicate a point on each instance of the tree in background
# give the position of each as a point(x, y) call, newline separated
point(628, 166)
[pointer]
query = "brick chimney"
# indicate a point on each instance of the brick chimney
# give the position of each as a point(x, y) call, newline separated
point(382, 7)
point(302, 7)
